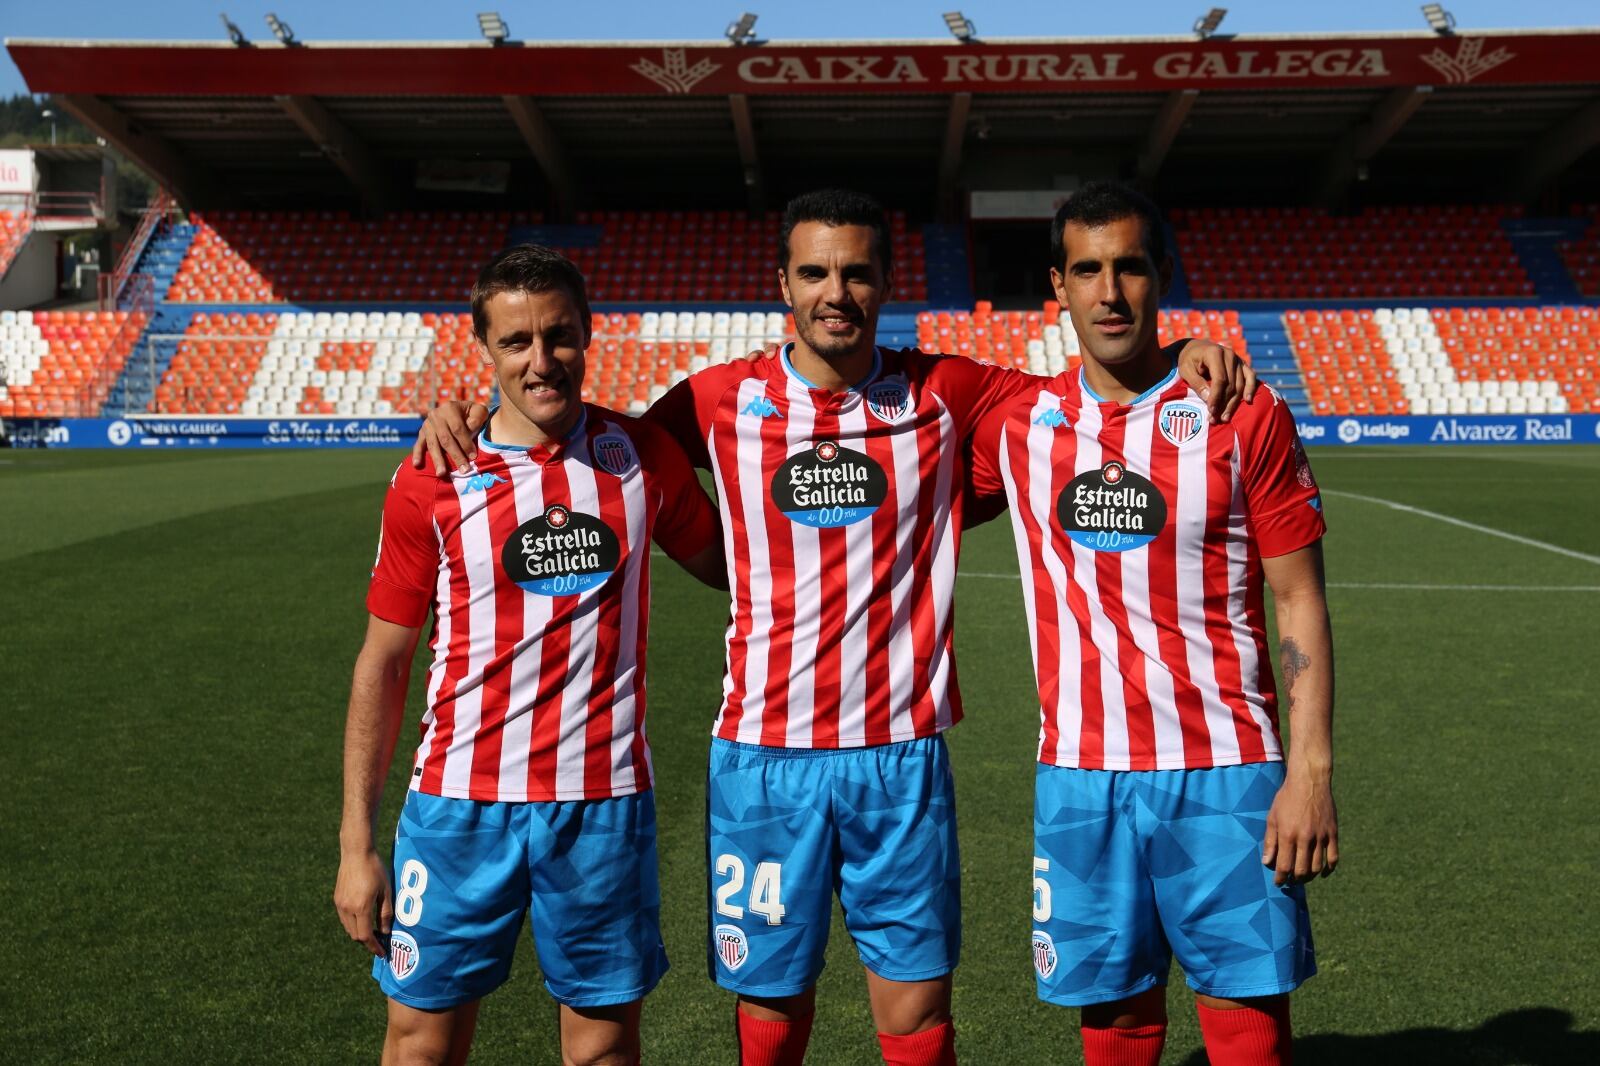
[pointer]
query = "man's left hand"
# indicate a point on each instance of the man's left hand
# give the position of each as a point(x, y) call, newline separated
point(1222, 379)
point(1302, 839)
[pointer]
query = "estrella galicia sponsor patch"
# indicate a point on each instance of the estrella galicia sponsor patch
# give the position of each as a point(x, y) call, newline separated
point(1180, 421)
point(889, 399)
point(561, 553)
point(1044, 953)
point(732, 948)
point(1111, 509)
point(404, 955)
point(613, 454)
point(829, 485)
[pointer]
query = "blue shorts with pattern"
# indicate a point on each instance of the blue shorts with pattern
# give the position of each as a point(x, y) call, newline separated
point(465, 872)
point(788, 828)
point(1134, 867)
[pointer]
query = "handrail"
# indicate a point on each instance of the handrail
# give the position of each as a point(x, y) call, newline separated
point(92, 397)
point(149, 219)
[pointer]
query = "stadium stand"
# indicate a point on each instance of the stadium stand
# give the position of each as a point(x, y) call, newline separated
point(53, 360)
point(1475, 360)
point(1273, 253)
point(14, 227)
point(1582, 256)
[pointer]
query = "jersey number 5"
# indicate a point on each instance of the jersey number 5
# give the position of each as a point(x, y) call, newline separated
point(1041, 890)
point(765, 889)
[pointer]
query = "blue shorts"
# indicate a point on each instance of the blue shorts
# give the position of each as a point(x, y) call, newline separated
point(789, 827)
point(465, 872)
point(1133, 867)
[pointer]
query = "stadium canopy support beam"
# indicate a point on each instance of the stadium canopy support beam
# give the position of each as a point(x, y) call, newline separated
point(1163, 131)
point(1365, 140)
point(744, 131)
point(189, 184)
point(342, 147)
point(955, 141)
point(1556, 150)
point(542, 142)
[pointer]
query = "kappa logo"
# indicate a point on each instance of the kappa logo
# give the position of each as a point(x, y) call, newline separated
point(889, 400)
point(732, 947)
point(613, 454)
point(674, 73)
point(1044, 953)
point(1180, 421)
point(481, 483)
point(404, 956)
point(761, 407)
point(1469, 61)
point(1052, 418)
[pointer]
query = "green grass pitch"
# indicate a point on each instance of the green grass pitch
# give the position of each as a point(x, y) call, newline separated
point(178, 630)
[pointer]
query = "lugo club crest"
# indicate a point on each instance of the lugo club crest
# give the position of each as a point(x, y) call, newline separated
point(561, 553)
point(829, 485)
point(1111, 509)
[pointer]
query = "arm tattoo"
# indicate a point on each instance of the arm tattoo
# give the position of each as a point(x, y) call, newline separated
point(1294, 662)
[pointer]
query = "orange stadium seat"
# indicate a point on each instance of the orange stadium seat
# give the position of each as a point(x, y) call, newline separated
point(63, 362)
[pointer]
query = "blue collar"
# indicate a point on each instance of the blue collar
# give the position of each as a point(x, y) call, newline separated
point(1154, 390)
point(877, 368)
point(577, 429)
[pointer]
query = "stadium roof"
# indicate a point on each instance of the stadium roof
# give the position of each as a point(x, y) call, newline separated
point(1281, 119)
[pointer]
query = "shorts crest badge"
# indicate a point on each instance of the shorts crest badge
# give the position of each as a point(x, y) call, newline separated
point(403, 955)
point(732, 948)
point(1181, 421)
point(1044, 953)
point(613, 454)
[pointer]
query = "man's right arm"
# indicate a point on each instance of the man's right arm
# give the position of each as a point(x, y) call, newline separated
point(372, 726)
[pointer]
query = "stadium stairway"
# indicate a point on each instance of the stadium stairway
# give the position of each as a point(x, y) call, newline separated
point(164, 255)
point(135, 386)
point(944, 250)
point(1537, 244)
point(1273, 358)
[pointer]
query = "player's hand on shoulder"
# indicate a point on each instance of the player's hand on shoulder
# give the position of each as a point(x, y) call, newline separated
point(1221, 377)
point(771, 351)
point(362, 890)
point(1302, 839)
point(449, 435)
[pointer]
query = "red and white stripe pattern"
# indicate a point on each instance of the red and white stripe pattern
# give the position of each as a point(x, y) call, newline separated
point(1153, 657)
point(532, 696)
point(840, 636)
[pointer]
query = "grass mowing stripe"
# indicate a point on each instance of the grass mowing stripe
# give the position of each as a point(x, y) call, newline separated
point(1490, 530)
point(1402, 586)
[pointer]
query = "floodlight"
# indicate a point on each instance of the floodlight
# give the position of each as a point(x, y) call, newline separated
point(280, 29)
point(235, 34)
point(743, 31)
point(1207, 24)
point(493, 27)
point(1439, 20)
point(961, 28)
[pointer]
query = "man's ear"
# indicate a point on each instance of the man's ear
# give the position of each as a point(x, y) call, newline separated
point(483, 349)
point(1058, 285)
point(783, 286)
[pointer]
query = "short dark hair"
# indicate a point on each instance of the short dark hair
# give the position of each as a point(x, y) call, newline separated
point(526, 268)
point(837, 207)
point(1101, 202)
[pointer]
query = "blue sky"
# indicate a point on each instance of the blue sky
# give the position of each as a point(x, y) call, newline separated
point(697, 19)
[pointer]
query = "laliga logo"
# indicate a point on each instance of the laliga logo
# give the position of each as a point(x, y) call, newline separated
point(1468, 62)
point(674, 73)
point(1349, 431)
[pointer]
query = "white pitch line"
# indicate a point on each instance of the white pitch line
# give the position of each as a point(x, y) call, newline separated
point(1529, 541)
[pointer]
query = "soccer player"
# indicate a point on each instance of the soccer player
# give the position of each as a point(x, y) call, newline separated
point(839, 473)
point(531, 785)
point(1167, 821)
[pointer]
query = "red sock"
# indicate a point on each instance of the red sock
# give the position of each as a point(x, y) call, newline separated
point(764, 1043)
point(1137, 1046)
point(1248, 1036)
point(931, 1047)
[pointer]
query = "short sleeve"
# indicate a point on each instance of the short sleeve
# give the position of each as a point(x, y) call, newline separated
point(972, 389)
point(686, 522)
point(405, 571)
point(684, 414)
point(1280, 491)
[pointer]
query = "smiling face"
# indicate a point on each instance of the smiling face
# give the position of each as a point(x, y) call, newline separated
point(836, 283)
point(1112, 288)
point(536, 341)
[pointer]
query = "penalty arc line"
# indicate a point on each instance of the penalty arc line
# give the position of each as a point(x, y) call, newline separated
point(1491, 531)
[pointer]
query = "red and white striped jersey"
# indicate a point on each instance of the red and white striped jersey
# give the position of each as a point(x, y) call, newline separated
point(1141, 529)
point(841, 518)
point(536, 564)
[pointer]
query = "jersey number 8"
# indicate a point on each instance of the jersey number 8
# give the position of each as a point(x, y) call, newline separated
point(408, 901)
point(765, 889)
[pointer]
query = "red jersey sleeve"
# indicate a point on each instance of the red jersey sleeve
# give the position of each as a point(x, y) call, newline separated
point(1280, 491)
point(972, 389)
point(684, 413)
point(686, 521)
point(983, 454)
point(406, 569)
